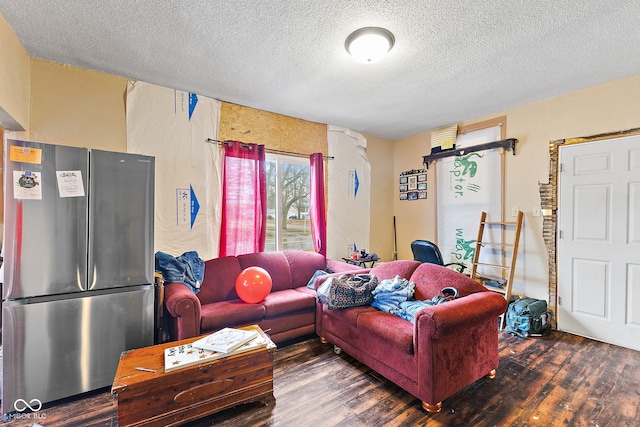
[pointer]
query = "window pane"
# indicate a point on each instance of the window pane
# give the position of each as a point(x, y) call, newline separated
point(271, 242)
point(296, 232)
point(288, 224)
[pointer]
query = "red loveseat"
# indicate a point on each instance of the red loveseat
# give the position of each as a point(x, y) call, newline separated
point(288, 312)
point(450, 345)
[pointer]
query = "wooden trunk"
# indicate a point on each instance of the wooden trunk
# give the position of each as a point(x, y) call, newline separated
point(172, 398)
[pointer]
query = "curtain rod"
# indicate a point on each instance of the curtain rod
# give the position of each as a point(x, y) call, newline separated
point(268, 150)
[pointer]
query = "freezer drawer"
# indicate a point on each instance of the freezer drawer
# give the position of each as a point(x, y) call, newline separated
point(56, 348)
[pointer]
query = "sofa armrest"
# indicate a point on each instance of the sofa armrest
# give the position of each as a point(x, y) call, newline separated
point(441, 320)
point(343, 267)
point(456, 343)
point(184, 307)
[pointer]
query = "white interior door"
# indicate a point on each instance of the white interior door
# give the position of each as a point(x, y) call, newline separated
point(599, 241)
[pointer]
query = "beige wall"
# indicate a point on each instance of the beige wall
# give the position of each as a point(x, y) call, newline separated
point(77, 107)
point(609, 107)
point(72, 106)
point(14, 80)
point(380, 153)
point(415, 219)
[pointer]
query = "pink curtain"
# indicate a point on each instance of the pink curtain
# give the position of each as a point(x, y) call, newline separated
point(317, 211)
point(244, 199)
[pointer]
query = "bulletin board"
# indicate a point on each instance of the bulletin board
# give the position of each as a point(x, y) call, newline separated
point(412, 184)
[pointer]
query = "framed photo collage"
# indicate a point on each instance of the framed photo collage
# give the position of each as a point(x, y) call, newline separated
point(413, 184)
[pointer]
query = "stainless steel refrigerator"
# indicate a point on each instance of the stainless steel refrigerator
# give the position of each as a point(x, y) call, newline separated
point(78, 268)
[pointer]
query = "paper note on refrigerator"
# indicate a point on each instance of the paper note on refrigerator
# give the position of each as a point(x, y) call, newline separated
point(70, 183)
point(27, 185)
point(25, 154)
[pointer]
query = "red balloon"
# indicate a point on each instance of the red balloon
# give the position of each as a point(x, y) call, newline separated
point(253, 284)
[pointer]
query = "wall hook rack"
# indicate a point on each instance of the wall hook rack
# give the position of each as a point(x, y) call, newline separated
point(507, 144)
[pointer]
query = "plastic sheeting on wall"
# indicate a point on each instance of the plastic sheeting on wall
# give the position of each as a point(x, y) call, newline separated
point(467, 186)
point(349, 192)
point(173, 126)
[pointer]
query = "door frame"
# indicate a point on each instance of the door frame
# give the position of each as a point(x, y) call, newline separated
point(549, 204)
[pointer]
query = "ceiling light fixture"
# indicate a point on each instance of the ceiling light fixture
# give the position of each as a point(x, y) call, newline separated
point(369, 44)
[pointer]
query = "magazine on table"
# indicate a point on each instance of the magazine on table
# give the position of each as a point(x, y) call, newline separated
point(182, 356)
point(225, 340)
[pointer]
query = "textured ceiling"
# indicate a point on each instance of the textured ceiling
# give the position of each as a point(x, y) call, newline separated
point(453, 60)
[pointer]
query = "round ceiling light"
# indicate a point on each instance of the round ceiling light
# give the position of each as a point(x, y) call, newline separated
point(369, 44)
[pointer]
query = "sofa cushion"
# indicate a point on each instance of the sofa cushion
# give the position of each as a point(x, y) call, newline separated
point(430, 279)
point(382, 331)
point(289, 326)
point(226, 313)
point(276, 265)
point(219, 282)
point(389, 270)
point(287, 301)
point(306, 290)
point(342, 323)
point(348, 317)
point(303, 265)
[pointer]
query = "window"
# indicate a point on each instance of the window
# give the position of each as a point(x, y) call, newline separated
point(288, 223)
point(469, 184)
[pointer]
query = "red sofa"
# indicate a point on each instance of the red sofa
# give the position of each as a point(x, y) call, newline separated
point(288, 312)
point(449, 346)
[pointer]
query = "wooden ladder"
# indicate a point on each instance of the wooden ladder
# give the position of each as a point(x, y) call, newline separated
point(508, 250)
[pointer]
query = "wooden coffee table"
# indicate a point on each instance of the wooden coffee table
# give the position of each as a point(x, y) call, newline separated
point(153, 397)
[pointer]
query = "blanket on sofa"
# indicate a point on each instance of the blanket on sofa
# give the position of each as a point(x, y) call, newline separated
point(389, 293)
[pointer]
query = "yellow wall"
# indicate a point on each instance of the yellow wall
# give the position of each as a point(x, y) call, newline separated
point(14, 80)
point(77, 107)
point(609, 107)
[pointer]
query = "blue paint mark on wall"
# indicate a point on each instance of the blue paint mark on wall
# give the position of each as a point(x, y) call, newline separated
point(195, 206)
point(357, 184)
point(193, 100)
point(353, 183)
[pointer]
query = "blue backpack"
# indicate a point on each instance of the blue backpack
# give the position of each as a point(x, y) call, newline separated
point(528, 317)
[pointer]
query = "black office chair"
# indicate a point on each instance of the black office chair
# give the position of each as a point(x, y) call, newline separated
point(426, 251)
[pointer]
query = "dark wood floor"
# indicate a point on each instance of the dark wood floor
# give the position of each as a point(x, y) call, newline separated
point(556, 380)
